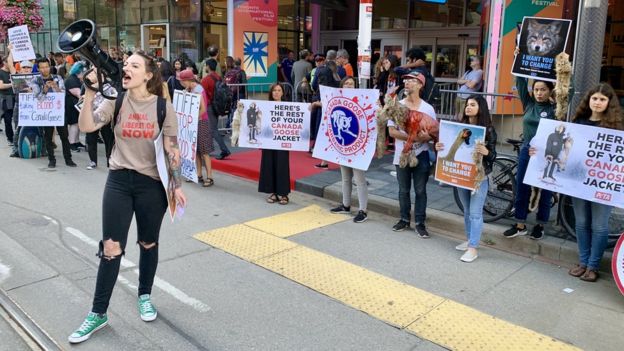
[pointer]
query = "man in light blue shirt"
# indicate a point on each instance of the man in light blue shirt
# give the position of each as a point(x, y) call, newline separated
point(471, 81)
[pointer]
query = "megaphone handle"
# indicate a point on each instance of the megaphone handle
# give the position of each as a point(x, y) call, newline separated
point(99, 88)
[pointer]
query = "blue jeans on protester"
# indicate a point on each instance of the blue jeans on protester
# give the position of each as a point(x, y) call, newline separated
point(523, 193)
point(592, 231)
point(419, 175)
point(473, 212)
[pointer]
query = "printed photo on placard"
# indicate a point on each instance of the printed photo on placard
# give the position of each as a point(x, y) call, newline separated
point(455, 164)
point(24, 83)
point(541, 40)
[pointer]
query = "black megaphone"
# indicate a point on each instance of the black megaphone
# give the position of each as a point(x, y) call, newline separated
point(81, 36)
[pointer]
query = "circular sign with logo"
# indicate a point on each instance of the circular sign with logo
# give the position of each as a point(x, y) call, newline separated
point(617, 264)
point(348, 130)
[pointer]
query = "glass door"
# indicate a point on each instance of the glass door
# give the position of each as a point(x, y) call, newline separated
point(393, 47)
point(155, 39)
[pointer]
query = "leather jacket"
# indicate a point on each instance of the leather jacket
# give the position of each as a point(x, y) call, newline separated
point(490, 144)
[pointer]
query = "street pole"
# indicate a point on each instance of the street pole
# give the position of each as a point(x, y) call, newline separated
point(592, 21)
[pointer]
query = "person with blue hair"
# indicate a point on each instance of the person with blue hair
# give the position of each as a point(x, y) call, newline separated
point(73, 85)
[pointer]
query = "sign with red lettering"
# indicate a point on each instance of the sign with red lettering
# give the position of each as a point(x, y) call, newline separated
point(46, 110)
point(617, 264)
point(275, 125)
point(186, 106)
point(578, 160)
point(348, 131)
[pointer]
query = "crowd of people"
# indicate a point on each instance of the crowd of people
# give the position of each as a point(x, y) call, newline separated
point(149, 85)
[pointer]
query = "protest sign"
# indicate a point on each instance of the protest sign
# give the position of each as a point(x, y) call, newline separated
point(541, 40)
point(167, 181)
point(98, 99)
point(47, 110)
point(24, 83)
point(186, 106)
point(22, 46)
point(578, 160)
point(348, 130)
point(274, 125)
point(455, 165)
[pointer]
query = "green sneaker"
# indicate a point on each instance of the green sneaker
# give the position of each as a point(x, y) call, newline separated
point(91, 324)
point(146, 309)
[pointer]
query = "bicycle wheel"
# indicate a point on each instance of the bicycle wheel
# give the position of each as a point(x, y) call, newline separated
point(566, 215)
point(501, 191)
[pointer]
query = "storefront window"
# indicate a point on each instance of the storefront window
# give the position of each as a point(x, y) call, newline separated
point(473, 13)
point(340, 19)
point(215, 11)
point(450, 14)
point(67, 11)
point(287, 15)
point(105, 13)
point(215, 34)
point(447, 61)
point(129, 38)
point(107, 38)
point(128, 12)
point(185, 38)
point(154, 11)
point(85, 9)
point(287, 40)
point(391, 15)
point(185, 10)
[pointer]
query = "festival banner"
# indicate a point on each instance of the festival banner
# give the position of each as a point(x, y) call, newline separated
point(541, 40)
point(348, 131)
point(578, 160)
point(186, 106)
point(455, 165)
point(22, 46)
point(47, 110)
point(252, 37)
point(274, 125)
point(24, 83)
point(364, 38)
point(165, 178)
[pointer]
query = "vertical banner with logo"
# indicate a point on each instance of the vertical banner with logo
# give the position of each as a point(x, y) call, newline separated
point(348, 131)
point(186, 106)
point(364, 38)
point(252, 37)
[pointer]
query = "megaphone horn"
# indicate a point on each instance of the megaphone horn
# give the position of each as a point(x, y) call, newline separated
point(81, 36)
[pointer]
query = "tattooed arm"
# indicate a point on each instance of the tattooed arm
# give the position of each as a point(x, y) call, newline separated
point(175, 164)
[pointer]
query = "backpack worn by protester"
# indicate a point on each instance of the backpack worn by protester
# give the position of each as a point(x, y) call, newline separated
point(221, 97)
point(161, 110)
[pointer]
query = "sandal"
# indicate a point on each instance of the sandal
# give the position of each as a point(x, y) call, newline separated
point(272, 199)
point(283, 200)
point(208, 182)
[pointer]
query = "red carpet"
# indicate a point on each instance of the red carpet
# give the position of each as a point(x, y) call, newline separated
point(247, 165)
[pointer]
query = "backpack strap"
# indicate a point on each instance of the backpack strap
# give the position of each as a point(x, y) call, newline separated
point(118, 101)
point(161, 109)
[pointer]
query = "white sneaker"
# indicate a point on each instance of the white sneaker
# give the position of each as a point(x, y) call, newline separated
point(469, 256)
point(92, 165)
point(462, 247)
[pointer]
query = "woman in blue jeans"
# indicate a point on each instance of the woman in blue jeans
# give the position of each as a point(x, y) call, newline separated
point(600, 108)
point(476, 112)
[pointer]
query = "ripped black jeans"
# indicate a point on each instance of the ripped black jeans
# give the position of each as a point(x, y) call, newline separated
point(129, 193)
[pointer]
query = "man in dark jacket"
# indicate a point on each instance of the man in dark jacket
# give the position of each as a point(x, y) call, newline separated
point(417, 61)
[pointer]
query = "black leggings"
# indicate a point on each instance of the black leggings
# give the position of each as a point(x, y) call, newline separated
point(107, 137)
point(129, 193)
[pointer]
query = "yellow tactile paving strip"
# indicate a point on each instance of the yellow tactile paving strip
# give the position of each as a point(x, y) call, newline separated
point(296, 222)
point(431, 317)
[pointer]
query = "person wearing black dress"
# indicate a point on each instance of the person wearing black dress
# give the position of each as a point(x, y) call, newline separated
point(274, 165)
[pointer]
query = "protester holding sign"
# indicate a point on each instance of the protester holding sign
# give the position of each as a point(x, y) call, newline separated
point(599, 108)
point(348, 174)
point(275, 164)
point(537, 106)
point(7, 99)
point(477, 113)
point(133, 187)
point(49, 83)
point(412, 143)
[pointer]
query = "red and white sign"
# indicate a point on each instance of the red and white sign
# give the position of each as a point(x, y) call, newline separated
point(617, 264)
point(364, 38)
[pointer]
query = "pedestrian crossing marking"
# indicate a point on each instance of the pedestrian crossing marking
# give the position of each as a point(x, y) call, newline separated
point(296, 222)
point(428, 316)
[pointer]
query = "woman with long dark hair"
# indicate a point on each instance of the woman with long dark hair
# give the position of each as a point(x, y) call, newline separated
point(476, 112)
point(599, 108)
point(388, 79)
point(133, 187)
point(275, 164)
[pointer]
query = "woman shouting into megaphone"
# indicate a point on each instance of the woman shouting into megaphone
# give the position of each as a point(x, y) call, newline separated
point(133, 186)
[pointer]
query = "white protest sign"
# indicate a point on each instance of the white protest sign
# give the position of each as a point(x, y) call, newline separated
point(22, 46)
point(47, 110)
point(165, 179)
point(348, 131)
point(186, 106)
point(578, 160)
point(274, 125)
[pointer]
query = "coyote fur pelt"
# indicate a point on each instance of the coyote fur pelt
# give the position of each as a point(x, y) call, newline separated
point(477, 158)
point(563, 68)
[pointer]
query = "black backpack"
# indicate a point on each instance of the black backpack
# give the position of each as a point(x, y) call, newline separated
point(161, 108)
point(221, 98)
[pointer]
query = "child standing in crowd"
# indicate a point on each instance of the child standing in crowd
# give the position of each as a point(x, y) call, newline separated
point(600, 108)
point(418, 110)
point(133, 187)
point(476, 112)
point(348, 174)
point(275, 164)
